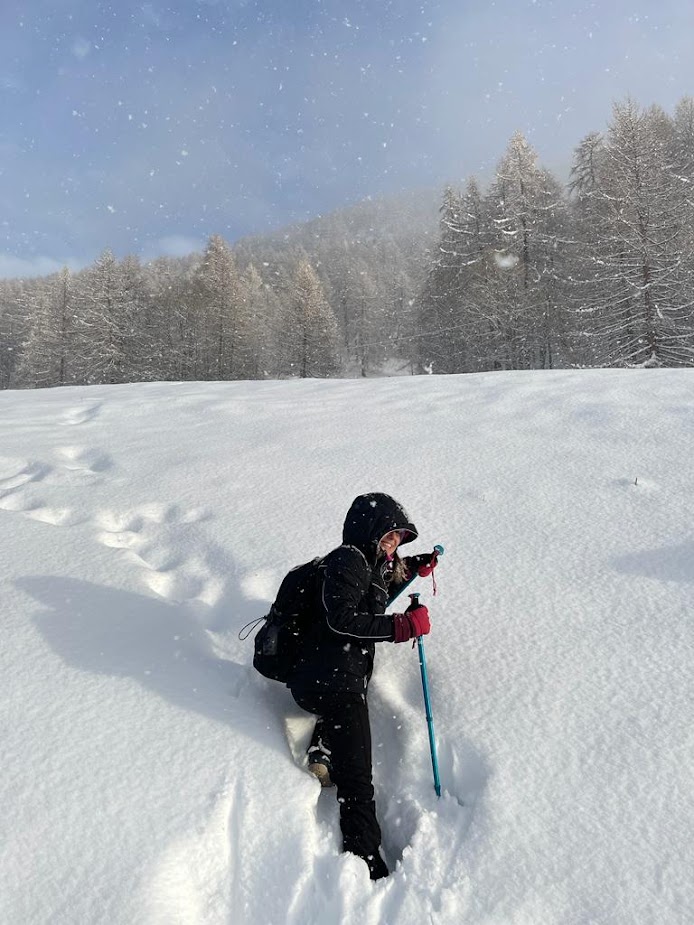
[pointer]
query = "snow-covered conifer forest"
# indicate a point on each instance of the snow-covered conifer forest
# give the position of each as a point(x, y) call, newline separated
point(524, 273)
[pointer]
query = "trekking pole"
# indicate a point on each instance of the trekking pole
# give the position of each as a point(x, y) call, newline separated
point(427, 701)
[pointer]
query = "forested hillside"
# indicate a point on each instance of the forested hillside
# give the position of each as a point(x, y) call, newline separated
point(336, 295)
point(527, 273)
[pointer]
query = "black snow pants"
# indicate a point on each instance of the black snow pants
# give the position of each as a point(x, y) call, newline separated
point(343, 731)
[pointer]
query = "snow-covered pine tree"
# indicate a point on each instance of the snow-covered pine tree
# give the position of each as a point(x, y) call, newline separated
point(684, 142)
point(15, 299)
point(389, 328)
point(45, 359)
point(218, 303)
point(140, 319)
point(589, 220)
point(261, 313)
point(309, 330)
point(635, 226)
point(441, 304)
point(530, 217)
point(683, 166)
point(107, 301)
point(165, 280)
point(362, 308)
point(476, 328)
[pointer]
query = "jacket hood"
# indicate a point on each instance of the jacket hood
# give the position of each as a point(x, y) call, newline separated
point(370, 517)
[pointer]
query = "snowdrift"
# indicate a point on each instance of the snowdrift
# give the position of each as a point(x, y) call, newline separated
point(146, 776)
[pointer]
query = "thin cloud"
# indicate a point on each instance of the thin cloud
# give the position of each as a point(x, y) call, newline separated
point(175, 245)
point(12, 267)
point(81, 47)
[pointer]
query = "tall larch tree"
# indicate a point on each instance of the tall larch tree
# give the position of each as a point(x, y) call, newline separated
point(46, 354)
point(261, 313)
point(105, 323)
point(636, 225)
point(442, 346)
point(218, 304)
point(529, 215)
point(310, 331)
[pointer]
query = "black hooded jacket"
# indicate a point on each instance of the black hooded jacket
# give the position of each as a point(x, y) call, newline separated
point(352, 596)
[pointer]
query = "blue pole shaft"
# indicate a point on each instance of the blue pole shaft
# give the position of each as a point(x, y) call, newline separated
point(430, 718)
point(425, 688)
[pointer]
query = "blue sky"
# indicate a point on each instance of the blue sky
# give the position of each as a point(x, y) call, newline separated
point(146, 127)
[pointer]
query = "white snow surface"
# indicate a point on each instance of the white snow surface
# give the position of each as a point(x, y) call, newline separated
point(146, 777)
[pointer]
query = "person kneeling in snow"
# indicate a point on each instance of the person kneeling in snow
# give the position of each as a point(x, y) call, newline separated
point(331, 677)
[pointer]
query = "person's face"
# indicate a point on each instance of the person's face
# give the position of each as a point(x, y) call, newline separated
point(391, 541)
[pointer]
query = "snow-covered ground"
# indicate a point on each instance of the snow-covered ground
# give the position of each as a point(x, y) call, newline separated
point(146, 777)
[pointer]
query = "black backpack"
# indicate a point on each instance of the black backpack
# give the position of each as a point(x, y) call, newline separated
point(278, 641)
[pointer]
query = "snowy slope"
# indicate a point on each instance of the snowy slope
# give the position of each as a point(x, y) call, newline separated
point(146, 775)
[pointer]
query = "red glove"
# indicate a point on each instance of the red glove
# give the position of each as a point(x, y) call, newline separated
point(413, 623)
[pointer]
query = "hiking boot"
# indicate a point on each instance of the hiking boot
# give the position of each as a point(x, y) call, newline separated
point(319, 766)
point(378, 868)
